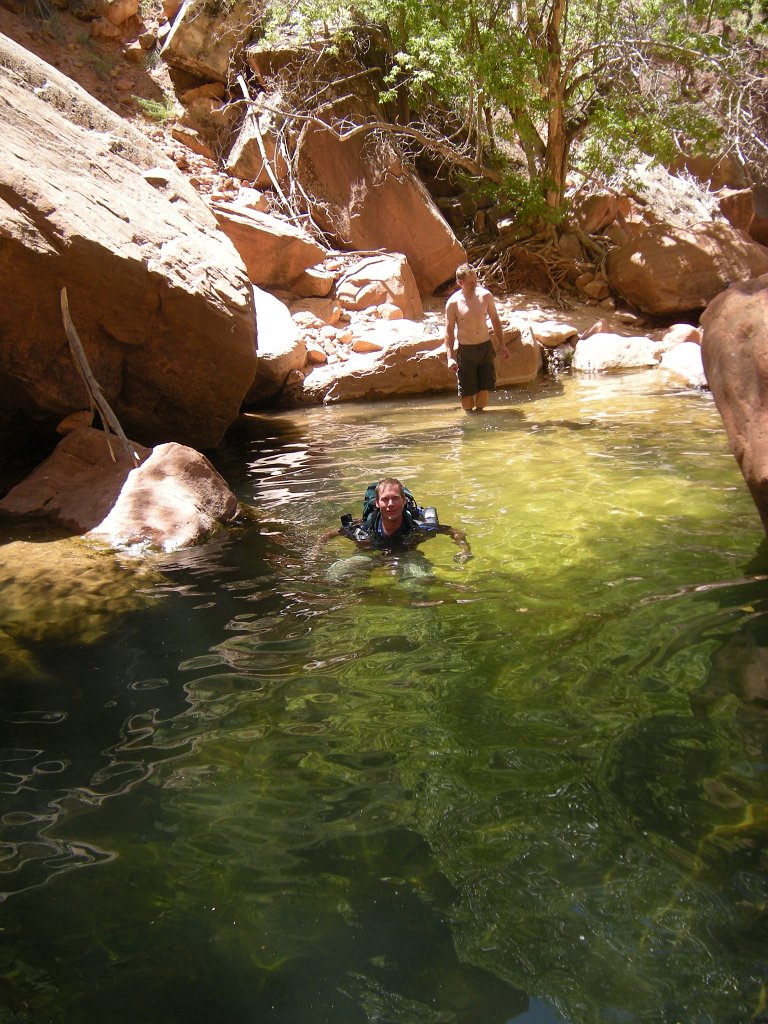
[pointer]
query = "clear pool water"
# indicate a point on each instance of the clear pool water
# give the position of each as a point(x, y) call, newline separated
point(240, 785)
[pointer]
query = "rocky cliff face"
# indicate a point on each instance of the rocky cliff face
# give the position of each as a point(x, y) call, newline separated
point(159, 296)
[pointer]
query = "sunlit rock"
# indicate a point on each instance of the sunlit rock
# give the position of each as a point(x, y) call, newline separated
point(684, 361)
point(276, 254)
point(402, 357)
point(602, 353)
point(204, 35)
point(368, 199)
point(551, 333)
point(281, 347)
point(172, 500)
point(677, 334)
point(256, 155)
point(375, 280)
point(324, 309)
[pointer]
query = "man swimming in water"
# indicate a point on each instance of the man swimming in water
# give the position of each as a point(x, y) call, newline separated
point(392, 526)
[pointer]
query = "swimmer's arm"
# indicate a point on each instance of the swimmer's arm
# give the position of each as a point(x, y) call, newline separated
point(324, 538)
point(460, 540)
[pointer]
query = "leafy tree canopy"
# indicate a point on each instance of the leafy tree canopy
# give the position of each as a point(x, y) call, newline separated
point(530, 91)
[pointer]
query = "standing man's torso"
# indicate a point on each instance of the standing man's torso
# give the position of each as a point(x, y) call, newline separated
point(470, 314)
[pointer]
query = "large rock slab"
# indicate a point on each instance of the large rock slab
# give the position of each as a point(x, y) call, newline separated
point(255, 155)
point(675, 270)
point(172, 499)
point(158, 295)
point(734, 351)
point(407, 358)
point(365, 197)
point(78, 484)
point(276, 254)
point(408, 363)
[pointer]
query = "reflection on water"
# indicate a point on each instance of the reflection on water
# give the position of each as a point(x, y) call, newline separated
point(530, 787)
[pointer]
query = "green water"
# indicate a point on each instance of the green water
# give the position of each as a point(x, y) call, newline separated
point(530, 787)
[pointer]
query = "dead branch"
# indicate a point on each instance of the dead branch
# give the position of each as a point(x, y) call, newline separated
point(95, 396)
point(254, 123)
point(435, 144)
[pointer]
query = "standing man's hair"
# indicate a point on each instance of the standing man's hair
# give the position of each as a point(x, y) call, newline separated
point(390, 481)
point(463, 270)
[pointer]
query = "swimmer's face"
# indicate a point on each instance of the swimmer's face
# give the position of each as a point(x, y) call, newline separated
point(390, 503)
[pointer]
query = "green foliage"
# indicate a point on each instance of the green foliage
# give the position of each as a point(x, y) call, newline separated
point(526, 201)
point(158, 110)
point(654, 71)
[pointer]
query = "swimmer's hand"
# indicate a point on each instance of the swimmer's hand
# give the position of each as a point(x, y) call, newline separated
point(463, 556)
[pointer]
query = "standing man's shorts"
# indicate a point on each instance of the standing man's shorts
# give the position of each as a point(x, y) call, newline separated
point(477, 371)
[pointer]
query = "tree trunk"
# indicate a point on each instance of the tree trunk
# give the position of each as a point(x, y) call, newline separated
point(556, 155)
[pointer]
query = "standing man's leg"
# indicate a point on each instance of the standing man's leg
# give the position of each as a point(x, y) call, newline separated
point(486, 376)
point(466, 375)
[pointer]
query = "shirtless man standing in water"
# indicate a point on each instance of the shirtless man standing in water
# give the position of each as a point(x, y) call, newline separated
point(466, 315)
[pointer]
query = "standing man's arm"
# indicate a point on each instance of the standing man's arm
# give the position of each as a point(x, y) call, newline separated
point(450, 334)
point(498, 330)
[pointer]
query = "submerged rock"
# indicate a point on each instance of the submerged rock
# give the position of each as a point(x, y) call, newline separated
point(57, 588)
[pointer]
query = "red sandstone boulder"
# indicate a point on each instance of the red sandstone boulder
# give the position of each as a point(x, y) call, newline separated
point(366, 198)
point(204, 35)
point(747, 210)
point(157, 293)
point(275, 253)
point(172, 499)
point(596, 212)
point(378, 279)
point(675, 270)
point(735, 355)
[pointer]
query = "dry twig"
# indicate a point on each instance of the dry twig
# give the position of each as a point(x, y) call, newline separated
point(95, 396)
